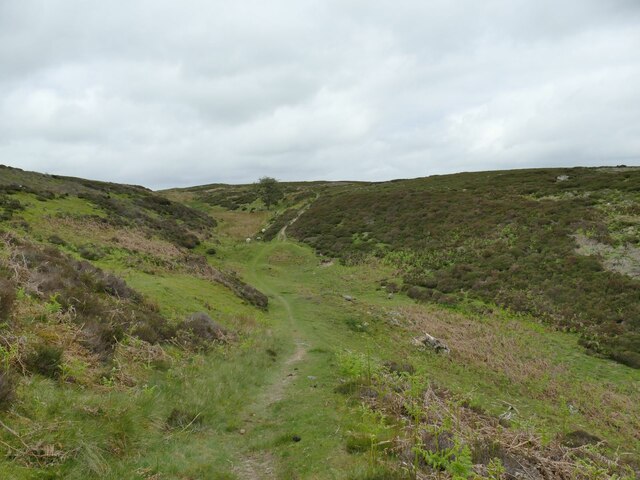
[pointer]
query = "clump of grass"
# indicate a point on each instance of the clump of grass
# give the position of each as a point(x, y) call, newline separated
point(181, 419)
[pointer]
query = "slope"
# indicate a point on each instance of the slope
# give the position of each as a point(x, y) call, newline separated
point(559, 244)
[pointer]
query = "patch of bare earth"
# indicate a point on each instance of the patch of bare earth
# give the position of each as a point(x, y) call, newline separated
point(257, 466)
point(261, 464)
point(622, 259)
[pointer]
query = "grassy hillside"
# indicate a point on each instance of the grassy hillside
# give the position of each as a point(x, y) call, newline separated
point(559, 244)
point(131, 351)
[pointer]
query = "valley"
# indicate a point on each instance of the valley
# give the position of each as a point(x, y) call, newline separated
point(307, 366)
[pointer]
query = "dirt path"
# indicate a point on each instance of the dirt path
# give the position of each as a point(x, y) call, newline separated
point(261, 464)
point(275, 392)
point(282, 234)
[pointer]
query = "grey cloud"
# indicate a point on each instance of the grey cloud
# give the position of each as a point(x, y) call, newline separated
point(175, 93)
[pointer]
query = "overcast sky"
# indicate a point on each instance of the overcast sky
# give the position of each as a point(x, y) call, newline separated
point(175, 93)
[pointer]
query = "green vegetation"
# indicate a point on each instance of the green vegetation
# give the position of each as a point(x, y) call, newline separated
point(269, 190)
point(127, 353)
point(500, 237)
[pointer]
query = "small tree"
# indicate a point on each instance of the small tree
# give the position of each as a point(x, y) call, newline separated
point(270, 191)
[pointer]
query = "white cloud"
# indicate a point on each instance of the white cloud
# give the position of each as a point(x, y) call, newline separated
point(173, 93)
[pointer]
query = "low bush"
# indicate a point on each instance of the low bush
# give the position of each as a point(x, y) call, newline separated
point(45, 360)
point(102, 303)
point(91, 252)
point(231, 198)
point(8, 207)
point(200, 330)
point(101, 336)
point(152, 327)
point(626, 357)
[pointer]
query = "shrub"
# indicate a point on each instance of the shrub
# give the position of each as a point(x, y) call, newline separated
point(631, 359)
point(90, 252)
point(280, 221)
point(117, 287)
point(45, 360)
point(200, 330)
point(7, 298)
point(101, 336)
point(88, 291)
point(392, 287)
point(152, 327)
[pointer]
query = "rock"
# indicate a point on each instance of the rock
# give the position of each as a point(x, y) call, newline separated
point(311, 377)
point(432, 342)
point(348, 298)
point(242, 431)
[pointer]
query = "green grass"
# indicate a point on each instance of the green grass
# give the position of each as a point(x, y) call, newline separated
point(227, 386)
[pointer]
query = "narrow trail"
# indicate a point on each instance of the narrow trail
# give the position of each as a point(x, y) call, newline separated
point(261, 464)
point(282, 234)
